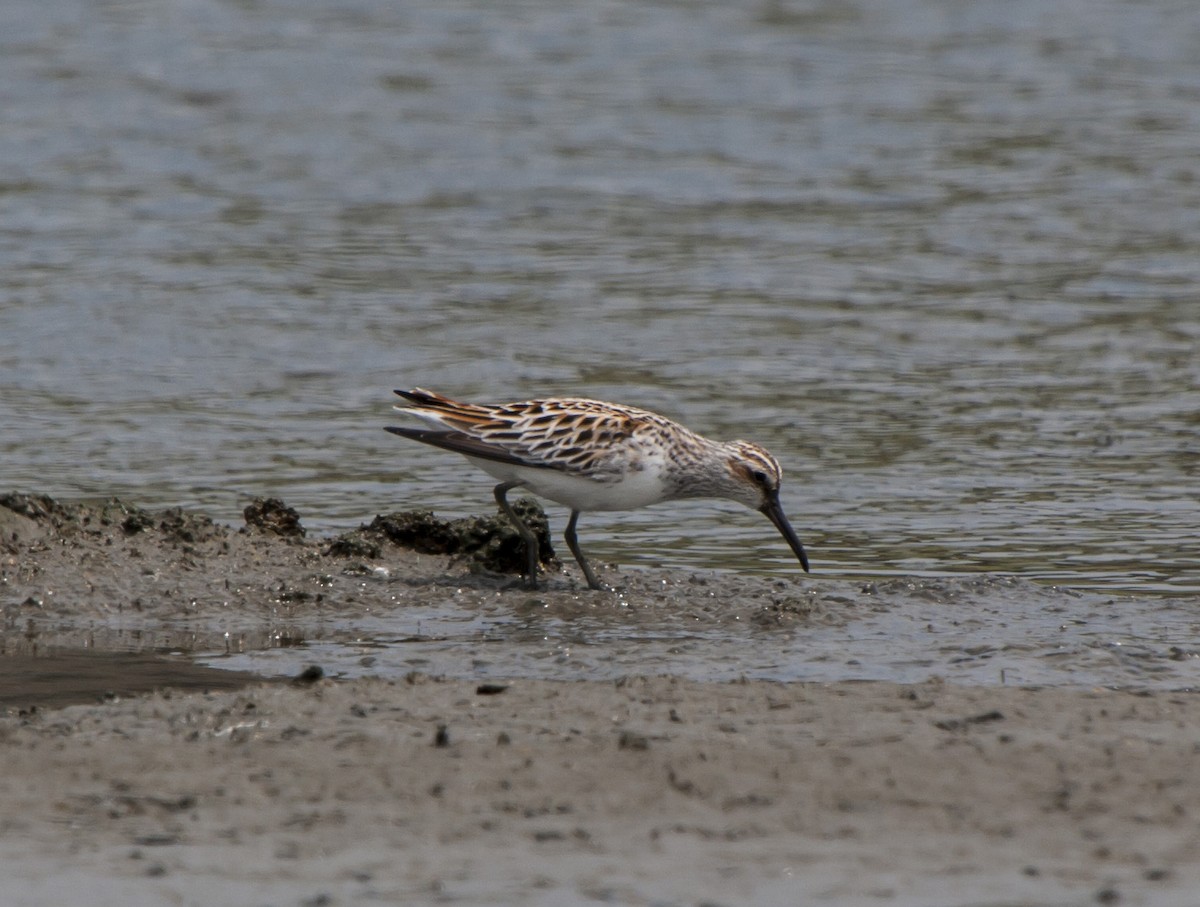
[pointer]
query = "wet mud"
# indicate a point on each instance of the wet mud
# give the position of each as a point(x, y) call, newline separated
point(118, 577)
point(191, 711)
point(409, 591)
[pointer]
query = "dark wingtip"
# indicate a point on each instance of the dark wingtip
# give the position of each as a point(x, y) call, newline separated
point(422, 397)
point(415, 434)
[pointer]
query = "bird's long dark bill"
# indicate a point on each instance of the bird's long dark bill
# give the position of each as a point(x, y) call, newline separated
point(774, 513)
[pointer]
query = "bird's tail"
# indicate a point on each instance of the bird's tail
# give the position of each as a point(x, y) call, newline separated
point(438, 409)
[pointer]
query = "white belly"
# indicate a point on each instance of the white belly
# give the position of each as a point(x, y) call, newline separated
point(636, 489)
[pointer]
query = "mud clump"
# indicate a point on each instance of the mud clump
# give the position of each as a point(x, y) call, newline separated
point(493, 543)
point(40, 508)
point(419, 530)
point(17, 528)
point(487, 542)
point(173, 524)
point(138, 521)
point(191, 528)
point(67, 520)
point(273, 516)
point(355, 544)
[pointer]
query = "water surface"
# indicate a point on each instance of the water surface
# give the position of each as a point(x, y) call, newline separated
point(940, 258)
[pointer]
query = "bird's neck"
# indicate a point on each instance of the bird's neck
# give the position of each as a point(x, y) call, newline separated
point(700, 471)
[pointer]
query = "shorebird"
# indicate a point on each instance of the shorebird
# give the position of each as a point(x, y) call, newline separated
point(590, 455)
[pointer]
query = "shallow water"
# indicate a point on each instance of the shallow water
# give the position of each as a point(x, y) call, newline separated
point(977, 631)
point(117, 582)
point(991, 631)
point(941, 259)
point(59, 677)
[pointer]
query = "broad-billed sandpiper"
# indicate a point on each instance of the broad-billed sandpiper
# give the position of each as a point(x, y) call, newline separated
point(590, 455)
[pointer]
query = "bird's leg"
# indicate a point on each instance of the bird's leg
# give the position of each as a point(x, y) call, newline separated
point(531, 543)
point(573, 544)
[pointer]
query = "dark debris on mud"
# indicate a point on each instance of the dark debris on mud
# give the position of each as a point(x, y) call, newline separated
point(486, 542)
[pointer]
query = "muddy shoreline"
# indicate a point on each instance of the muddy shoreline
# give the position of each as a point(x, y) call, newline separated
point(189, 784)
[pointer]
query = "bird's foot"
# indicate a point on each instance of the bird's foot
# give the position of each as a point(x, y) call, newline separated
point(596, 586)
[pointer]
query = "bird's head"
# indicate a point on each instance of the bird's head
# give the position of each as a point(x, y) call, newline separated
point(754, 480)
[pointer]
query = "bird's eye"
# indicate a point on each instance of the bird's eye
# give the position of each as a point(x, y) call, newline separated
point(759, 477)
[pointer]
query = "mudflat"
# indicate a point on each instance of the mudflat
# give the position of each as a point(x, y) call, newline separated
point(173, 782)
